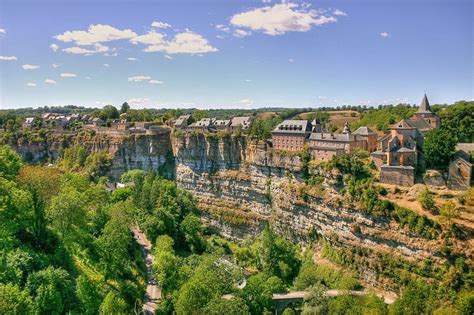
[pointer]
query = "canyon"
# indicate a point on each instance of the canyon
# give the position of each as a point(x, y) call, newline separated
point(242, 184)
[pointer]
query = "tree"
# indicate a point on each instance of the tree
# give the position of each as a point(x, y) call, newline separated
point(14, 301)
point(10, 162)
point(125, 107)
point(67, 212)
point(113, 304)
point(108, 112)
point(166, 271)
point(191, 228)
point(219, 305)
point(439, 148)
point(98, 163)
point(315, 301)
point(426, 199)
point(449, 211)
point(88, 294)
point(259, 291)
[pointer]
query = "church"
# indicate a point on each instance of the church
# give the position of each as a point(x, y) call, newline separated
point(400, 152)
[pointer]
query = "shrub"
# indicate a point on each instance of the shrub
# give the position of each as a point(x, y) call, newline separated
point(426, 199)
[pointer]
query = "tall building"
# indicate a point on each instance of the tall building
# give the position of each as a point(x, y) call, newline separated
point(291, 135)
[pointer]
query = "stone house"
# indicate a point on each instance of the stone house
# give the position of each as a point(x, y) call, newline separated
point(291, 135)
point(204, 124)
point(240, 123)
point(97, 122)
point(368, 136)
point(182, 121)
point(29, 122)
point(460, 172)
point(223, 124)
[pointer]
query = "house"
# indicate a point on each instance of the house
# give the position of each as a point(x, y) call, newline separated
point(460, 172)
point(29, 122)
point(399, 153)
point(97, 122)
point(240, 123)
point(324, 145)
point(369, 137)
point(291, 135)
point(223, 124)
point(122, 125)
point(182, 121)
point(202, 125)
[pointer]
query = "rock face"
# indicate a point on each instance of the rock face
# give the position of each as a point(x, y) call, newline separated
point(241, 185)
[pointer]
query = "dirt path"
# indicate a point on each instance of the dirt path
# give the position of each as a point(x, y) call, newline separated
point(153, 291)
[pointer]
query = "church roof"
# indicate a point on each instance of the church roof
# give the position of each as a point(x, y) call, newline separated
point(402, 124)
point(424, 105)
point(364, 131)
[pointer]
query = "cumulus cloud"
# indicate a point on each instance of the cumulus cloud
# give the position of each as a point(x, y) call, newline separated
point(184, 43)
point(246, 102)
point(68, 75)
point(384, 34)
point(55, 65)
point(54, 47)
point(155, 82)
point(339, 12)
point(8, 58)
point(96, 34)
point(50, 81)
point(139, 78)
point(158, 24)
point(30, 67)
point(98, 48)
point(151, 38)
point(168, 57)
point(132, 59)
point(31, 84)
point(223, 28)
point(281, 18)
point(3, 31)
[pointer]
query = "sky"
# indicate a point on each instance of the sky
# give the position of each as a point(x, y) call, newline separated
point(234, 54)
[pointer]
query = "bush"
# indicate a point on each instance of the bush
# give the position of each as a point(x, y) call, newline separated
point(426, 199)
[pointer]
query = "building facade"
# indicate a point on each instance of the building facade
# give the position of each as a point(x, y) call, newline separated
point(291, 135)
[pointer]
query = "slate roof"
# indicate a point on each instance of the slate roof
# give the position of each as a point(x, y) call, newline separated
point(424, 105)
point(364, 131)
point(223, 122)
point(179, 121)
point(293, 126)
point(341, 137)
point(402, 124)
point(243, 122)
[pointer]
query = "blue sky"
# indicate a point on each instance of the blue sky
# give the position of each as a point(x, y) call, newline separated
point(234, 54)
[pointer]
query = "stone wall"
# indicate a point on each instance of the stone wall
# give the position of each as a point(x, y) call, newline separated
point(397, 175)
point(460, 174)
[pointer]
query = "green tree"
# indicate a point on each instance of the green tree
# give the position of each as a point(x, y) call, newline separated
point(439, 148)
point(14, 301)
point(87, 292)
point(191, 227)
point(10, 162)
point(219, 305)
point(315, 301)
point(125, 107)
point(113, 304)
point(259, 291)
point(426, 199)
point(449, 211)
point(98, 163)
point(108, 112)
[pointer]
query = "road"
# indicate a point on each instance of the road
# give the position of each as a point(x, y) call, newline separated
point(153, 291)
point(299, 295)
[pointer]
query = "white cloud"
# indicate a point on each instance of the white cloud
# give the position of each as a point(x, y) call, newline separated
point(138, 100)
point(168, 57)
point(155, 82)
point(241, 33)
point(339, 12)
point(106, 65)
point(151, 38)
point(98, 48)
point(30, 67)
point(49, 81)
point(138, 78)
point(158, 24)
point(55, 65)
point(291, 60)
point(88, 78)
point(246, 102)
point(266, 1)
point(184, 43)
point(54, 47)
point(96, 34)
point(223, 28)
point(3, 31)
point(384, 34)
point(281, 18)
point(31, 84)
point(248, 80)
point(68, 75)
point(132, 59)
point(8, 58)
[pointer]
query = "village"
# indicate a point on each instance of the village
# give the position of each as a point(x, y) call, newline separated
point(397, 154)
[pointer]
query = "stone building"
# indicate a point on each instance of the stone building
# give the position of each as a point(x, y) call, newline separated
point(182, 121)
point(323, 145)
point(240, 123)
point(222, 124)
point(461, 169)
point(400, 151)
point(291, 135)
point(369, 137)
point(202, 125)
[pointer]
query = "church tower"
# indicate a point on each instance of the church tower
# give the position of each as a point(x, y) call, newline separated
point(425, 113)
